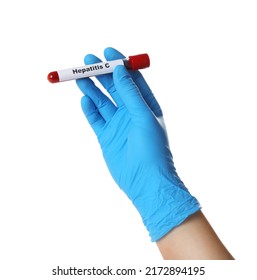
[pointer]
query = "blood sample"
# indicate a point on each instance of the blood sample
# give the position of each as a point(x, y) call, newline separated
point(134, 62)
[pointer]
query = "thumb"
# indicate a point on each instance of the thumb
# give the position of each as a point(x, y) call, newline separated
point(129, 92)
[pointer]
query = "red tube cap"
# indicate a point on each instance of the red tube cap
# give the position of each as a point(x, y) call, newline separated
point(53, 77)
point(139, 61)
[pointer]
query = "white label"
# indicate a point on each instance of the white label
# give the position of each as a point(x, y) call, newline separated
point(88, 70)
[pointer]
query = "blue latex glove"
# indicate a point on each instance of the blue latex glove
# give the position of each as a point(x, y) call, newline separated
point(130, 129)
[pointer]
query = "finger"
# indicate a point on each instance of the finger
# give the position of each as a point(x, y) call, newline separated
point(92, 114)
point(112, 54)
point(103, 104)
point(148, 95)
point(146, 92)
point(129, 93)
point(106, 80)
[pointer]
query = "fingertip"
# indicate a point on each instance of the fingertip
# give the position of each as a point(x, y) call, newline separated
point(91, 59)
point(86, 104)
point(88, 107)
point(110, 50)
point(112, 54)
point(92, 115)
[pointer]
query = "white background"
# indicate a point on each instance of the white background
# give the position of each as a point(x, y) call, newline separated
point(58, 203)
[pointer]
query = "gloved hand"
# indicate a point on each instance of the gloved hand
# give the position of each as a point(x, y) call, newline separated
point(132, 135)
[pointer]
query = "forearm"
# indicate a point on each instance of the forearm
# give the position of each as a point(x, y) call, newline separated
point(193, 239)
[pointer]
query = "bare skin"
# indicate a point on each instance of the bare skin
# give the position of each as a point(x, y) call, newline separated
point(194, 239)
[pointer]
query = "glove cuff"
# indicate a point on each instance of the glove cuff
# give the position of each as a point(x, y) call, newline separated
point(168, 208)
